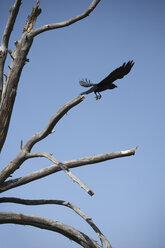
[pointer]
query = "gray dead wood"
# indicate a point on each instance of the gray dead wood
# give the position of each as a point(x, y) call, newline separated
point(5, 40)
point(48, 224)
point(28, 202)
point(24, 153)
point(70, 164)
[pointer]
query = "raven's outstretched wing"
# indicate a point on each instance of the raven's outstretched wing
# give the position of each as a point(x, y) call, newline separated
point(118, 73)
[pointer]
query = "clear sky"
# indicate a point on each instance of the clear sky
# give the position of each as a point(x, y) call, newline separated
point(128, 205)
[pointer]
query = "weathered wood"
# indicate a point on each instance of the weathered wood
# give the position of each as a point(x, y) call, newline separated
point(63, 167)
point(10, 89)
point(52, 225)
point(65, 23)
point(5, 40)
point(32, 18)
point(24, 153)
point(70, 164)
point(62, 203)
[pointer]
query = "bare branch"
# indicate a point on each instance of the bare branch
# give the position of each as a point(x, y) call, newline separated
point(67, 22)
point(62, 203)
point(70, 164)
point(63, 167)
point(52, 122)
point(5, 39)
point(24, 152)
point(52, 225)
point(98, 158)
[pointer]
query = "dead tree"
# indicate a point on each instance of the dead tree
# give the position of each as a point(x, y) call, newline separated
point(8, 90)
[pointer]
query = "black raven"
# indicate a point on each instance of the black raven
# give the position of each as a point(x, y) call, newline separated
point(107, 83)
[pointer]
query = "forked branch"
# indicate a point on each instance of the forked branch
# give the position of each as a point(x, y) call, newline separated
point(69, 164)
point(63, 167)
point(24, 153)
point(67, 22)
point(32, 18)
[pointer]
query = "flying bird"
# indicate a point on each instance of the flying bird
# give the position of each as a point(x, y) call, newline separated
point(107, 83)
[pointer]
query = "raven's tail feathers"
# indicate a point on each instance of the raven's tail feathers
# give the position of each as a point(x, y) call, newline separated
point(86, 83)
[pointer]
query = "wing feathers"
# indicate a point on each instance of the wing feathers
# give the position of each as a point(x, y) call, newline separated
point(121, 71)
point(118, 73)
point(86, 83)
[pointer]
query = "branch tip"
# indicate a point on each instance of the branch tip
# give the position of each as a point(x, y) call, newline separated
point(32, 18)
point(91, 193)
point(134, 149)
point(83, 97)
point(52, 131)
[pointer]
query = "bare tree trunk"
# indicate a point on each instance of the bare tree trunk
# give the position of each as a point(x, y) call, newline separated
point(11, 83)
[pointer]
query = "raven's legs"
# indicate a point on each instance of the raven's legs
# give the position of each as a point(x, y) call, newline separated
point(98, 95)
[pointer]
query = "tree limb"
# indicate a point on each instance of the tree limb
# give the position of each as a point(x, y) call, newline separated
point(52, 122)
point(63, 167)
point(67, 22)
point(62, 203)
point(70, 164)
point(52, 225)
point(5, 39)
point(11, 84)
point(24, 152)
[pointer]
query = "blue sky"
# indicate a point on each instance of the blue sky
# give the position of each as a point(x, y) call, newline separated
point(128, 205)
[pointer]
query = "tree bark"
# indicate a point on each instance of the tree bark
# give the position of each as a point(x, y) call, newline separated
point(5, 40)
point(10, 88)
